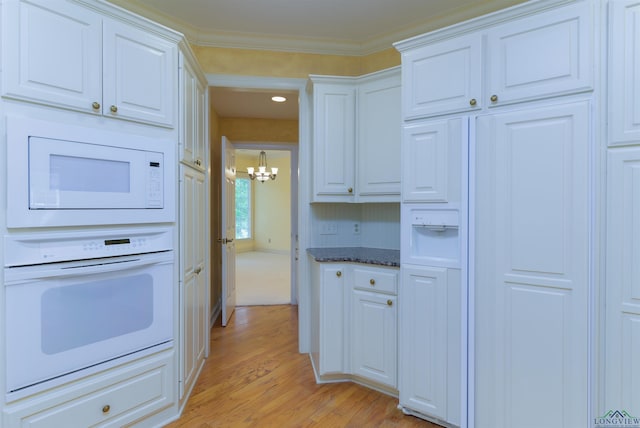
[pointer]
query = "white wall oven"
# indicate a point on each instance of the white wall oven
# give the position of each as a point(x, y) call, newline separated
point(57, 172)
point(84, 301)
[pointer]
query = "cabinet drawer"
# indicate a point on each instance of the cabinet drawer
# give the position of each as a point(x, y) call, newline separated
point(372, 279)
point(131, 394)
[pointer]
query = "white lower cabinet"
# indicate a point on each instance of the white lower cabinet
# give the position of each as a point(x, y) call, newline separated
point(374, 337)
point(116, 398)
point(429, 342)
point(355, 323)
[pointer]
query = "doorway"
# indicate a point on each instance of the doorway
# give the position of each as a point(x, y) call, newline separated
point(266, 218)
point(301, 169)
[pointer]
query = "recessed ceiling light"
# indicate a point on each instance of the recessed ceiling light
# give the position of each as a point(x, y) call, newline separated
point(278, 99)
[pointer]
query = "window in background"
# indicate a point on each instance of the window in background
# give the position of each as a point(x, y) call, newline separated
point(243, 208)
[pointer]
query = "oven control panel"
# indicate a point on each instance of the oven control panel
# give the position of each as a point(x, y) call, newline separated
point(30, 249)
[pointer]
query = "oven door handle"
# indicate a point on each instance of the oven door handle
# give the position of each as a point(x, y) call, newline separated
point(85, 267)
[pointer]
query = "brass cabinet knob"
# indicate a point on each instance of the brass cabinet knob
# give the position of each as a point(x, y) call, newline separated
point(372, 281)
point(350, 190)
point(198, 162)
point(106, 408)
point(197, 271)
point(338, 274)
point(113, 109)
point(96, 105)
point(494, 98)
point(473, 102)
point(390, 302)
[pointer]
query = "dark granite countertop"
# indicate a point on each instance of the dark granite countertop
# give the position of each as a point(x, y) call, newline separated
point(372, 256)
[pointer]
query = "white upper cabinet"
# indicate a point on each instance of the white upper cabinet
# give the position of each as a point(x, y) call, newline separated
point(334, 139)
point(140, 75)
point(534, 56)
point(193, 114)
point(64, 55)
point(443, 77)
point(52, 53)
point(356, 137)
point(624, 65)
point(378, 137)
point(544, 55)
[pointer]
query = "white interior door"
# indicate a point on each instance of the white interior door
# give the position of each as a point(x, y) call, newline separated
point(228, 229)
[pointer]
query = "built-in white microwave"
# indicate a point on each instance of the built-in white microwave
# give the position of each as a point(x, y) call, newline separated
point(64, 175)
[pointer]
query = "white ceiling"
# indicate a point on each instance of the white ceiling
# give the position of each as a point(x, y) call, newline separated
point(340, 27)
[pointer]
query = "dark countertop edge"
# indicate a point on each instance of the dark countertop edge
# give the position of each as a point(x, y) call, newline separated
point(364, 255)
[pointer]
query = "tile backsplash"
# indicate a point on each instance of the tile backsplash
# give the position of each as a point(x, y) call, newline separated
point(374, 225)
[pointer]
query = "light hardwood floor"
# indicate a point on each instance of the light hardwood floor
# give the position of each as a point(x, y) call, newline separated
point(255, 377)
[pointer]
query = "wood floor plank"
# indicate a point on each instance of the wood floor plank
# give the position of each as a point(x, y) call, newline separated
point(255, 377)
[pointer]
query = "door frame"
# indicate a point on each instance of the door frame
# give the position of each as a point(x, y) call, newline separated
point(304, 183)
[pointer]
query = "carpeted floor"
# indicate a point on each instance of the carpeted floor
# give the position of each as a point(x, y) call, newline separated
point(263, 279)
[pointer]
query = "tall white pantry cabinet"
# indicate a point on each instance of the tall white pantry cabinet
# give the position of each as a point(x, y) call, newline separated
point(88, 62)
point(551, 288)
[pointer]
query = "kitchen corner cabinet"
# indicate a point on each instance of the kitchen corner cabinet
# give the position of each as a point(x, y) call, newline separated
point(355, 328)
point(624, 85)
point(356, 137)
point(116, 398)
point(65, 55)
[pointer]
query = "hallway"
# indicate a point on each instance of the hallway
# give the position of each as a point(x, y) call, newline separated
point(255, 377)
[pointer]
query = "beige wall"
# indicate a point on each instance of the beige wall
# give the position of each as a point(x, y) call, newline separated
point(246, 62)
point(243, 129)
point(272, 213)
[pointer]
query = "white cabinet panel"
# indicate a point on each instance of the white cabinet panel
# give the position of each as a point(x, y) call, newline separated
point(442, 77)
point(423, 340)
point(623, 280)
point(374, 337)
point(52, 53)
point(193, 292)
point(193, 111)
point(334, 141)
point(624, 66)
point(378, 140)
point(140, 75)
point(546, 54)
point(332, 319)
point(431, 160)
point(532, 264)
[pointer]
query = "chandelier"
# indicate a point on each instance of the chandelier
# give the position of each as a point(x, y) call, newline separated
point(262, 175)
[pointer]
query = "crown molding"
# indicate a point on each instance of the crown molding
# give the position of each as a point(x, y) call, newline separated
point(233, 40)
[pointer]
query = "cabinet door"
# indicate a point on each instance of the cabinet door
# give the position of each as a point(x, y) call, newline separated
point(201, 146)
point(193, 277)
point(379, 134)
point(140, 72)
point(188, 112)
point(52, 53)
point(624, 63)
point(442, 77)
point(532, 268)
point(622, 369)
point(543, 55)
point(374, 337)
point(334, 142)
point(332, 319)
point(423, 340)
point(431, 160)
